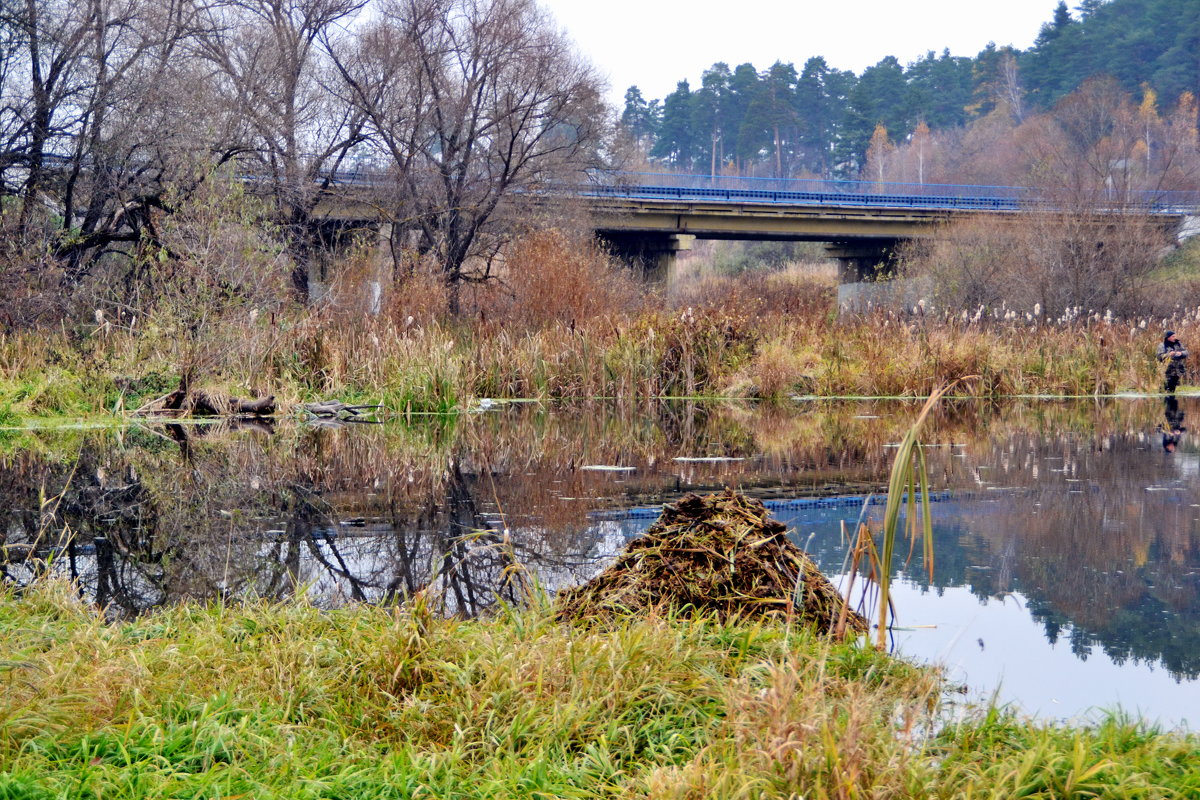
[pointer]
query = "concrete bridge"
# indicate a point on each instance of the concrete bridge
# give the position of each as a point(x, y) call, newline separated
point(650, 217)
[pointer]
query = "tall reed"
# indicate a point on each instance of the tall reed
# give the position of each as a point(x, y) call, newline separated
point(908, 487)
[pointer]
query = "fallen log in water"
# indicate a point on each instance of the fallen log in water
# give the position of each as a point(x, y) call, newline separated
point(334, 409)
point(200, 403)
point(203, 404)
point(720, 554)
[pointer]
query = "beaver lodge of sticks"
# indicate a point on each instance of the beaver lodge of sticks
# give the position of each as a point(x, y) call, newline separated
point(721, 554)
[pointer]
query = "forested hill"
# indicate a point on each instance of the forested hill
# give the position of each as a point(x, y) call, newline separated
point(816, 120)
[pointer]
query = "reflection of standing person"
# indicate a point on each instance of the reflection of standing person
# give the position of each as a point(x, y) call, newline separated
point(1174, 354)
point(1172, 427)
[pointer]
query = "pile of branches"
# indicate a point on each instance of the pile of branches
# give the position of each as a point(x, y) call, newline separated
point(721, 554)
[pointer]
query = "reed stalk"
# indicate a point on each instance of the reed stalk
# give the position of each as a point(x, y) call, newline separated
point(908, 486)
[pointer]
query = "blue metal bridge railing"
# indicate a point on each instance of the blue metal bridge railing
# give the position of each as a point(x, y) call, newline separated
point(701, 188)
point(666, 186)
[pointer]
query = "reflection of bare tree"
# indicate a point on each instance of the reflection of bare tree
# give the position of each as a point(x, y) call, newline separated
point(222, 517)
point(449, 546)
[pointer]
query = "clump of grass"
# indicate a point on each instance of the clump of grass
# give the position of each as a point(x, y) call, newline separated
point(357, 700)
point(779, 370)
point(999, 755)
point(908, 487)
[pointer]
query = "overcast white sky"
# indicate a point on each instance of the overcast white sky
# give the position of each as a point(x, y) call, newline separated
point(656, 43)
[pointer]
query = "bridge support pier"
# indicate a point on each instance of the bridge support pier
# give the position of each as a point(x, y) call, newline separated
point(651, 252)
point(336, 238)
point(863, 259)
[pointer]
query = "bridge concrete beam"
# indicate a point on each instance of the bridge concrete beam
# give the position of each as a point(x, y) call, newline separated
point(652, 252)
point(749, 221)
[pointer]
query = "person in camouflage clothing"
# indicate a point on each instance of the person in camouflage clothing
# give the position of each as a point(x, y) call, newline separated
point(1174, 355)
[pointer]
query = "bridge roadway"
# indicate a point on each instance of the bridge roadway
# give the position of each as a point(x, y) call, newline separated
point(649, 217)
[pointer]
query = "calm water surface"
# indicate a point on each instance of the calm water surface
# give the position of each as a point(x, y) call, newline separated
point(1067, 574)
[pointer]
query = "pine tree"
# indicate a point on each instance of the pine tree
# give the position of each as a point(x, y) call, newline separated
point(745, 131)
point(779, 112)
point(676, 143)
point(940, 89)
point(1057, 25)
point(639, 117)
point(820, 99)
point(878, 98)
point(709, 112)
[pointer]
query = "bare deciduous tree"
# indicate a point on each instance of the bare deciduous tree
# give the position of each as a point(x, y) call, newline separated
point(115, 111)
point(879, 155)
point(271, 71)
point(477, 105)
point(140, 134)
point(94, 123)
point(42, 94)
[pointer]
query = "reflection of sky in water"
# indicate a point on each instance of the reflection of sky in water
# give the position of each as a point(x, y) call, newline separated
point(1022, 667)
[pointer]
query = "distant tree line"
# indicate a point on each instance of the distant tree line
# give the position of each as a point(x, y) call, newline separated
point(821, 121)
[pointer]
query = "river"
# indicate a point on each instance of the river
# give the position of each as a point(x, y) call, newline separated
point(1067, 533)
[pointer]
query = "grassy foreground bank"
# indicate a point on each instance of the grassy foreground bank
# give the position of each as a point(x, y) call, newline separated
point(291, 701)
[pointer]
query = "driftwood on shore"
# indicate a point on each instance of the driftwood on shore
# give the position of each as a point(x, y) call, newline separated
point(334, 409)
point(185, 401)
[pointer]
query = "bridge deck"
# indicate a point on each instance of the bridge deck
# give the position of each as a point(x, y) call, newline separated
point(656, 187)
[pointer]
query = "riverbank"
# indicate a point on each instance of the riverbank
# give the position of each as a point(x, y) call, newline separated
point(286, 700)
point(447, 365)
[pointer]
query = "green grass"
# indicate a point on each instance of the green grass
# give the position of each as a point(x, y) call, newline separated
point(998, 756)
point(291, 701)
point(1181, 264)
